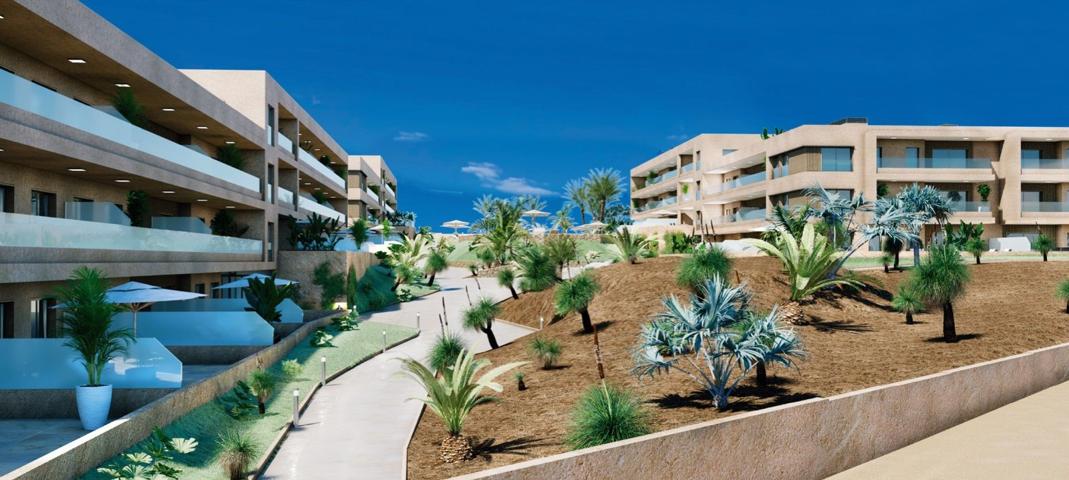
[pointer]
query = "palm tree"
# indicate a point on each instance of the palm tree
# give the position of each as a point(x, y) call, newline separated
point(506, 277)
point(575, 295)
point(436, 262)
point(562, 250)
point(604, 187)
point(481, 317)
point(1063, 293)
point(628, 246)
point(976, 247)
point(1043, 244)
point(907, 301)
point(502, 230)
point(405, 258)
point(262, 384)
point(562, 220)
point(237, 452)
point(454, 394)
point(359, 231)
point(928, 203)
point(264, 296)
point(704, 264)
point(941, 279)
point(87, 323)
point(578, 194)
point(537, 271)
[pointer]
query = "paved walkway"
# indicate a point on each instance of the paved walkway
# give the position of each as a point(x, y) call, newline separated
point(1028, 438)
point(358, 425)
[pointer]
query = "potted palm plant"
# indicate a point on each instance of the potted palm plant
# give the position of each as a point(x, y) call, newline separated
point(86, 319)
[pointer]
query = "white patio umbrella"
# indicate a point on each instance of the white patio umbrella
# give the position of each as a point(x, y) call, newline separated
point(455, 224)
point(243, 282)
point(595, 225)
point(139, 296)
point(533, 214)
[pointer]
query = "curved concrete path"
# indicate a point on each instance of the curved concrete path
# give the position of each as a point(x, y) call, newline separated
point(359, 424)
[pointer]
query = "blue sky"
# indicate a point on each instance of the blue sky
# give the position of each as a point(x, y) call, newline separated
point(466, 98)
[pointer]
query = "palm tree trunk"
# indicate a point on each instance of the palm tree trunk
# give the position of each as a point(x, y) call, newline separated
point(431, 280)
point(916, 253)
point(897, 252)
point(489, 331)
point(1067, 306)
point(949, 334)
point(909, 318)
point(886, 269)
point(762, 375)
point(1044, 256)
point(395, 285)
point(977, 259)
point(588, 327)
point(514, 295)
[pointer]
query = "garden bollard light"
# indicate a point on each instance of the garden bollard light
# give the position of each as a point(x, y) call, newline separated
point(323, 362)
point(417, 323)
point(296, 406)
point(541, 322)
point(384, 341)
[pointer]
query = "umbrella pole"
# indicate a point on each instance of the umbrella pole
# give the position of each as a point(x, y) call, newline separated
point(135, 323)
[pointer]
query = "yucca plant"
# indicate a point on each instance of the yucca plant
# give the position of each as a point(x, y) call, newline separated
point(716, 340)
point(537, 271)
point(454, 394)
point(939, 280)
point(1043, 244)
point(359, 230)
point(575, 295)
point(481, 317)
point(701, 266)
point(607, 414)
point(445, 350)
point(262, 384)
point(1063, 293)
point(436, 262)
point(506, 277)
point(908, 302)
point(546, 350)
point(628, 247)
point(265, 296)
point(810, 262)
point(237, 450)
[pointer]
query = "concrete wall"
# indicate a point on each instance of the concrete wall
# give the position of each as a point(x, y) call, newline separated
point(814, 438)
point(299, 265)
point(88, 451)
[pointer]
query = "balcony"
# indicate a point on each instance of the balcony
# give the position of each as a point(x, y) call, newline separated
point(311, 205)
point(285, 143)
point(669, 201)
point(1045, 207)
point(285, 197)
point(318, 166)
point(971, 163)
point(18, 230)
point(1045, 163)
point(690, 167)
point(371, 193)
point(743, 215)
point(960, 206)
point(662, 177)
point(739, 182)
point(386, 187)
point(25, 95)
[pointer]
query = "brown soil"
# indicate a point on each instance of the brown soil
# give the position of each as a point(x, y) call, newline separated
point(853, 342)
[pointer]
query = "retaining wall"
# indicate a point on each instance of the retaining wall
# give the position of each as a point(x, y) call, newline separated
point(811, 439)
point(299, 265)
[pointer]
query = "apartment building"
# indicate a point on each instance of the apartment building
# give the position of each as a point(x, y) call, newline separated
point(372, 188)
point(112, 158)
point(728, 182)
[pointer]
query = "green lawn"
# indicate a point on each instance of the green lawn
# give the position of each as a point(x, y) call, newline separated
point(207, 422)
point(463, 255)
point(906, 258)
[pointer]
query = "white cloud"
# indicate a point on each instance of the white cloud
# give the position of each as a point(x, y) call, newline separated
point(404, 136)
point(490, 176)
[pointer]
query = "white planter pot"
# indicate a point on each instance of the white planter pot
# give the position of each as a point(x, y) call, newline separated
point(94, 403)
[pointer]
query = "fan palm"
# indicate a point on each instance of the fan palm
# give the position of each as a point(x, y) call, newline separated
point(87, 323)
point(940, 280)
point(575, 295)
point(481, 317)
point(506, 277)
point(1043, 244)
point(578, 194)
point(603, 187)
point(454, 394)
point(928, 203)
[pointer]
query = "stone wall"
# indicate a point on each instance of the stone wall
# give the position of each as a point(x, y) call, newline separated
point(299, 265)
point(811, 439)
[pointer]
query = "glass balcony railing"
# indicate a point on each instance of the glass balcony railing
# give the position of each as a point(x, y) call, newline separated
point(285, 197)
point(739, 182)
point(888, 162)
point(318, 208)
point(181, 224)
point(662, 177)
point(1045, 207)
point(386, 186)
point(965, 207)
point(104, 212)
point(690, 167)
point(743, 215)
point(371, 193)
point(18, 230)
point(25, 95)
point(1045, 163)
point(666, 202)
point(318, 166)
point(285, 143)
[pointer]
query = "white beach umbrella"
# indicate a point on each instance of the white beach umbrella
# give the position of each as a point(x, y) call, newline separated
point(243, 282)
point(595, 225)
point(455, 224)
point(139, 296)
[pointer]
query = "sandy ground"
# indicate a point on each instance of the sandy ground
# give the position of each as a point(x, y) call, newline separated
point(854, 342)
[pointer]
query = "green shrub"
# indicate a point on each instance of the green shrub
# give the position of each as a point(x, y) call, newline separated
point(231, 155)
point(321, 338)
point(224, 224)
point(939, 280)
point(575, 295)
point(445, 351)
point(1043, 244)
point(291, 369)
point(679, 242)
point(331, 285)
point(702, 266)
point(237, 451)
point(1063, 293)
point(239, 402)
point(155, 461)
point(546, 350)
point(262, 384)
point(606, 414)
point(129, 107)
point(537, 271)
point(908, 302)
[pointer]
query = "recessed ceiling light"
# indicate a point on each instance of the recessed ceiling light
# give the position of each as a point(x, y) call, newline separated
point(230, 142)
point(1049, 139)
point(307, 183)
point(76, 60)
point(1, 17)
point(168, 192)
point(202, 199)
point(167, 109)
point(894, 138)
point(122, 85)
point(317, 188)
point(964, 138)
point(230, 206)
point(121, 180)
point(315, 149)
point(201, 127)
point(75, 169)
point(1, 149)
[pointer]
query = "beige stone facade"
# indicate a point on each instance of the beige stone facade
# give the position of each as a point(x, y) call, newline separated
point(372, 187)
point(69, 162)
point(728, 182)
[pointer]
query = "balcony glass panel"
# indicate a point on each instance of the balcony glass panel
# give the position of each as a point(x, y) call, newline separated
point(104, 212)
point(181, 224)
point(657, 204)
point(318, 166)
point(40, 363)
point(25, 95)
point(964, 207)
point(285, 143)
point(739, 182)
point(1045, 163)
point(743, 215)
point(371, 193)
point(318, 208)
point(662, 177)
point(1051, 207)
point(892, 162)
point(18, 230)
point(285, 197)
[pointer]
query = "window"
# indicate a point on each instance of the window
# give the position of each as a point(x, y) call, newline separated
point(271, 125)
point(42, 204)
point(270, 184)
point(44, 318)
point(1030, 158)
point(835, 159)
point(7, 320)
point(728, 151)
point(7, 199)
point(913, 155)
point(215, 293)
point(270, 241)
point(949, 157)
point(198, 288)
point(879, 153)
